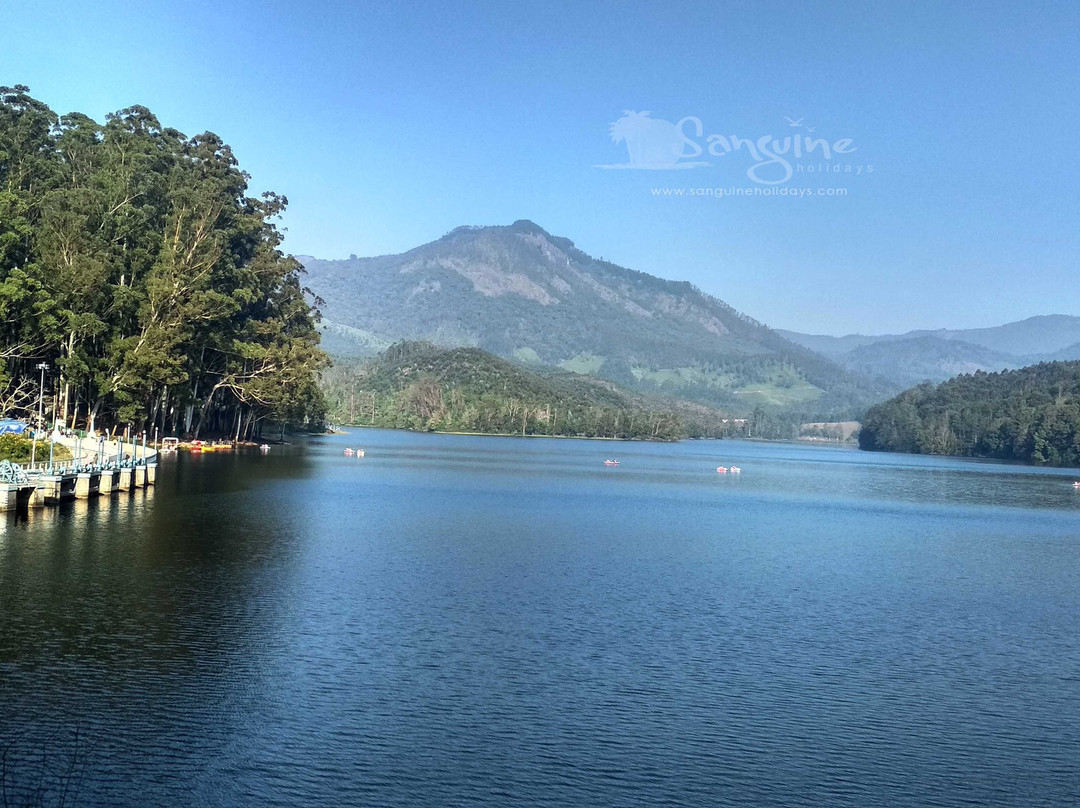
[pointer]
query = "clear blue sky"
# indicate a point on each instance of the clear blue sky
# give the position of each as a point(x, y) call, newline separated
point(387, 125)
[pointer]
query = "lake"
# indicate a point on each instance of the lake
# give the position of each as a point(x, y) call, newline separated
point(471, 621)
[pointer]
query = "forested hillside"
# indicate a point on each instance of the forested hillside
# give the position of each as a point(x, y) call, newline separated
point(912, 361)
point(416, 385)
point(137, 267)
point(522, 293)
point(1028, 414)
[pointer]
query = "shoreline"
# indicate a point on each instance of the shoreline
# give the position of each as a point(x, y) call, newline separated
point(342, 427)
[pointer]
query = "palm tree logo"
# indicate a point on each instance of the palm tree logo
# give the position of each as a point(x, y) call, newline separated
point(654, 143)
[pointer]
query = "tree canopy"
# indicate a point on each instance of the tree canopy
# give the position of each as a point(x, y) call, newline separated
point(1028, 414)
point(416, 385)
point(135, 263)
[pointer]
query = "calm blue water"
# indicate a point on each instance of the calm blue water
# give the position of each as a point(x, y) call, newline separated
point(464, 621)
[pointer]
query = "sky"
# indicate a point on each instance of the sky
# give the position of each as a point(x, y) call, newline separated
point(952, 199)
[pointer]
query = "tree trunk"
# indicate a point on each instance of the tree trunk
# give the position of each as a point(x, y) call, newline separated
point(202, 412)
point(248, 423)
point(92, 418)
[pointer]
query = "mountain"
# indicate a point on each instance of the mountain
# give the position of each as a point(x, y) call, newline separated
point(831, 346)
point(1035, 336)
point(940, 354)
point(1032, 413)
point(522, 293)
point(908, 362)
point(1066, 354)
point(1031, 337)
point(417, 385)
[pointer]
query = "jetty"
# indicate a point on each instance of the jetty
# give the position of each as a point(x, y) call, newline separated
point(100, 468)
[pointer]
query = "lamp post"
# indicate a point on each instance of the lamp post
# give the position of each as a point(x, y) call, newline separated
point(42, 366)
point(144, 447)
point(101, 451)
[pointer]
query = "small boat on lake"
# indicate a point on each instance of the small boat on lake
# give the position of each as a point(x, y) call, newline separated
point(611, 462)
point(735, 470)
point(349, 452)
point(721, 469)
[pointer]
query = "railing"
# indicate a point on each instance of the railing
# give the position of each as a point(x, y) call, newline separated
point(76, 467)
point(12, 473)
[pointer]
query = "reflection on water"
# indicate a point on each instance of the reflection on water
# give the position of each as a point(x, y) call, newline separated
point(454, 620)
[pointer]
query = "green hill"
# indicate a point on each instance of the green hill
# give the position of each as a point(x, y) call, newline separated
point(520, 292)
point(417, 385)
point(1028, 414)
point(912, 361)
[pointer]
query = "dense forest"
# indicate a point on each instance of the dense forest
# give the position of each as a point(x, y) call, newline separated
point(1028, 414)
point(416, 385)
point(137, 270)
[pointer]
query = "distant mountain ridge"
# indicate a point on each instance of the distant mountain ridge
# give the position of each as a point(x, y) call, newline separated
point(522, 293)
point(936, 355)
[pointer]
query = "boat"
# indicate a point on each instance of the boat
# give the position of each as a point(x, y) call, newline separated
point(1076, 485)
point(265, 447)
point(349, 452)
point(735, 469)
point(721, 470)
point(611, 462)
point(359, 452)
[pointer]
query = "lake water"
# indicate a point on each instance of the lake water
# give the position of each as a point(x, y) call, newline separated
point(467, 621)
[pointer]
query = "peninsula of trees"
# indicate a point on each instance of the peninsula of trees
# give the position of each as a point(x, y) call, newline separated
point(137, 267)
point(1028, 414)
point(416, 385)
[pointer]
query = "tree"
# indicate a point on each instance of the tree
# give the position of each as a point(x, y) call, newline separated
point(134, 261)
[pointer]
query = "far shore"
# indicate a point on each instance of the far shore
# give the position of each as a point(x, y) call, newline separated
point(340, 430)
point(341, 427)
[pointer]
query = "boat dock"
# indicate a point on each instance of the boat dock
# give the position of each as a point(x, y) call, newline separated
point(84, 477)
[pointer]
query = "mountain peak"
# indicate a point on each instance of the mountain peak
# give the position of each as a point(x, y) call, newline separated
point(529, 227)
point(521, 227)
point(520, 292)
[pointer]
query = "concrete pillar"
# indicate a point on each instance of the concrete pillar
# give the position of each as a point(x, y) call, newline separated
point(87, 484)
point(9, 497)
point(140, 476)
point(108, 481)
point(52, 487)
point(125, 480)
point(151, 474)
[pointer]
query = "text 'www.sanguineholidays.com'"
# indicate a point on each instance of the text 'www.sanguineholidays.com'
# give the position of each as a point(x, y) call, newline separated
point(757, 190)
